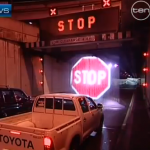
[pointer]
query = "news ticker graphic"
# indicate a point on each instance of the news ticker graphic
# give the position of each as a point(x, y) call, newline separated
point(5, 10)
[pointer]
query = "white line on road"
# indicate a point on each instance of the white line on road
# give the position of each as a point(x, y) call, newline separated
point(128, 112)
point(125, 122)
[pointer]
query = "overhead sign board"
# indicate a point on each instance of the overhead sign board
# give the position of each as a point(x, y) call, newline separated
point(87, 22)
point(73, 40)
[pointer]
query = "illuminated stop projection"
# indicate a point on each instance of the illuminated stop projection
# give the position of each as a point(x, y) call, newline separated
point(90, 76)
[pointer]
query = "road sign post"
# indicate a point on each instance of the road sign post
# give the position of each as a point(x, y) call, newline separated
point(90, 76)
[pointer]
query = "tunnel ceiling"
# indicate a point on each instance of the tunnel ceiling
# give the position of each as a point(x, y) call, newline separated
point(29, 1)
point(131, 58)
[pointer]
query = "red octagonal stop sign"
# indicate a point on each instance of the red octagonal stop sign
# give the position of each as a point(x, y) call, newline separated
point(90, 76)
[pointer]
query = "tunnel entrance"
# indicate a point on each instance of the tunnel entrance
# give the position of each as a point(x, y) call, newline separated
point(60, 59)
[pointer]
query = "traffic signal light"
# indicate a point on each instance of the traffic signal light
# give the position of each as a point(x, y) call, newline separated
point(106, 3)
point(53, 11)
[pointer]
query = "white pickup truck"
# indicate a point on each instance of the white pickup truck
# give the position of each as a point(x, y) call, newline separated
point(58, 122)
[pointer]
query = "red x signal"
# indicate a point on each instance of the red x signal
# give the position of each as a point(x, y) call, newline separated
point(53, 11)
point(106, 3)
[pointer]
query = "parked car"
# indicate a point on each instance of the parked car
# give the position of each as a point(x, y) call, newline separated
point(13, 101)
point(57, 122)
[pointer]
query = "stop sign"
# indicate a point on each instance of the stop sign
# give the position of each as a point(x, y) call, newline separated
point(90, 76)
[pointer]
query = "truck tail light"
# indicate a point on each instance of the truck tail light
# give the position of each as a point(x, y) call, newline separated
point(47, 143)
point(15, 132)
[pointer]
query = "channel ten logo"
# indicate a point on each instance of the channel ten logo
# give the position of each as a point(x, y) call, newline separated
point(5, 10)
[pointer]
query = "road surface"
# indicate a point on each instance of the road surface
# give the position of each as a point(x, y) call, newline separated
point(115, 111)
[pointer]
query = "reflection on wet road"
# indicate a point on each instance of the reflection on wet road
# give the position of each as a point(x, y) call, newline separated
point(115, 109)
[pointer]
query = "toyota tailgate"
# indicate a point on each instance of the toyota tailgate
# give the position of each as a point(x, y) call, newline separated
point(15, 140)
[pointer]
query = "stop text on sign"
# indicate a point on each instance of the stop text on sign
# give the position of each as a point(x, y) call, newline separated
point(85, 22)
point(80, 23)
point(89, 77)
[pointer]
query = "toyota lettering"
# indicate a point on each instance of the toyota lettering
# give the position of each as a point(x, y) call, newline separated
point(16, 141)
point(90, 76)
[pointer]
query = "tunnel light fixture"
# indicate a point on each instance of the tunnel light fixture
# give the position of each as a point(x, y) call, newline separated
point(145, 69)
point(110, 65)
point(145, 54)
point(41, 71)
point(115, 65)
point(145, 84)
point(41, 59)
point(41, 82)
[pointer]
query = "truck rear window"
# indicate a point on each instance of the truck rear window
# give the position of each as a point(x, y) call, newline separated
point(49, 103)
point(58, 103)
point(68, 105)
point(40, 102)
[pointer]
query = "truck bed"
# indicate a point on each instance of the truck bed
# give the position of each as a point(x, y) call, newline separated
point(14, 120)
point(23, 123)
point(15, 123)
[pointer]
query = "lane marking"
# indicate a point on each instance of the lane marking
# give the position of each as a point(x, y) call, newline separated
point(128, 112)
point(125, 121)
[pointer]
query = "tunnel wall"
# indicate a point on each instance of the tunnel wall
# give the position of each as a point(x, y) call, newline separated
point(10, 63)
point(56, 75)
point(19, 67)
point(30, 75)
point(148, 74)
point(18, 31)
